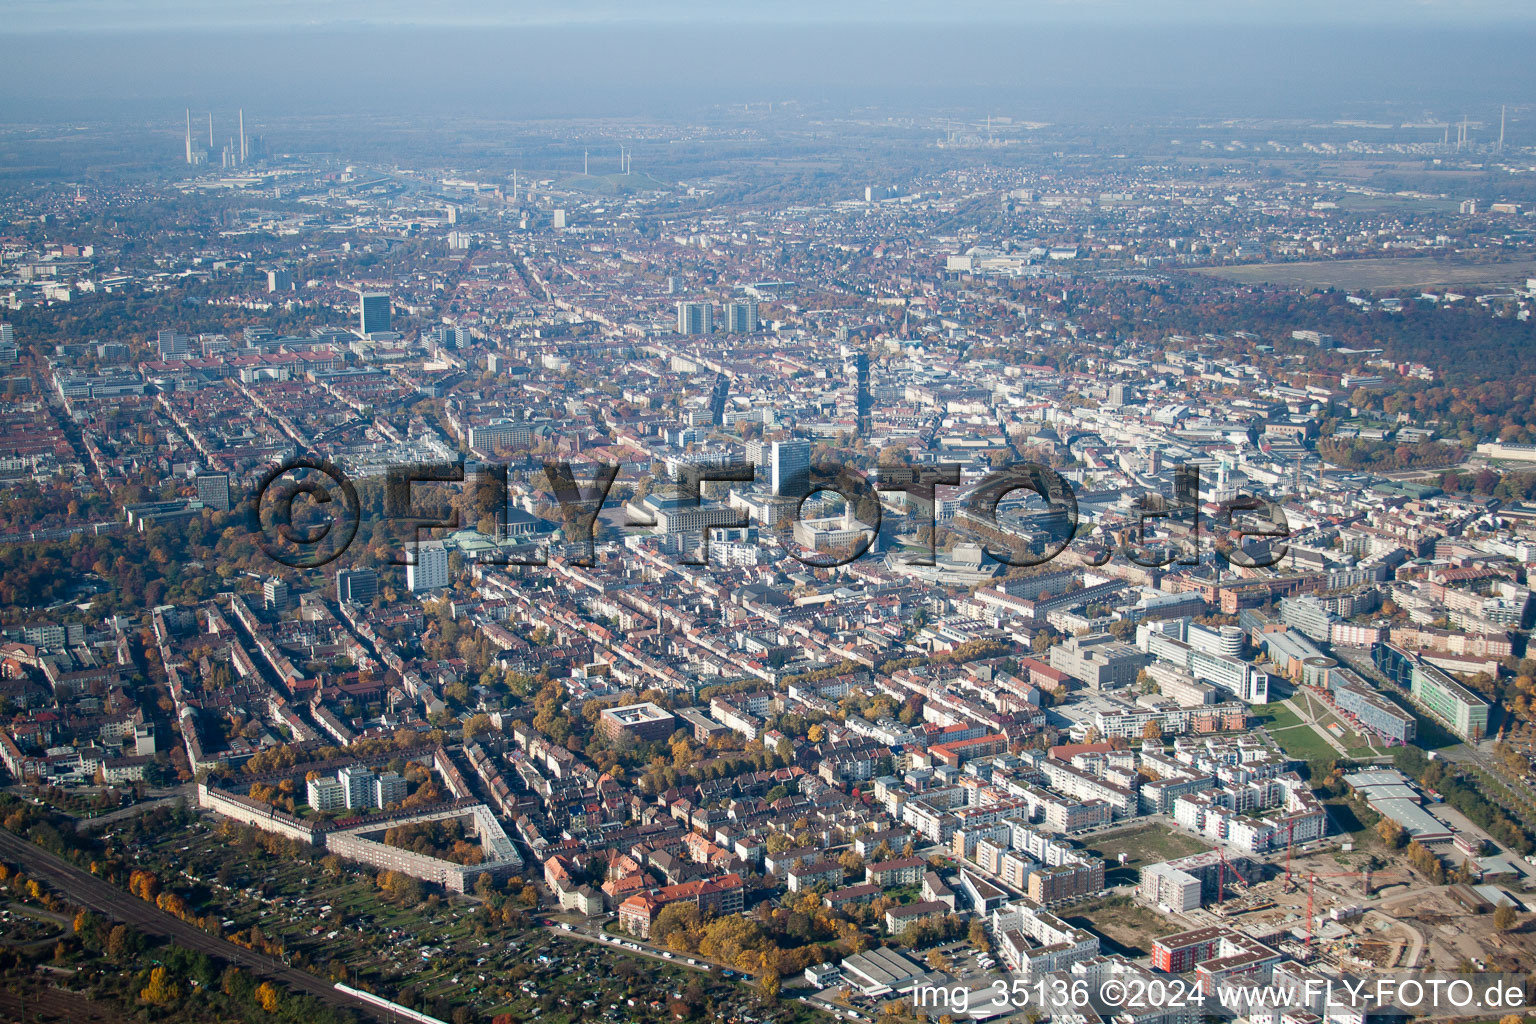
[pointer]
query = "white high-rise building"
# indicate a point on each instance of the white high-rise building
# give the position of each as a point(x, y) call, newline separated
point(431, 569)
point(358, 784)
point(326, 794)
point(388, 788)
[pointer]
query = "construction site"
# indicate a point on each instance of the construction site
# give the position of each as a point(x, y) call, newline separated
point(1358, 911)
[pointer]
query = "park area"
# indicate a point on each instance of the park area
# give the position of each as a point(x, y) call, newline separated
point(1295, 736)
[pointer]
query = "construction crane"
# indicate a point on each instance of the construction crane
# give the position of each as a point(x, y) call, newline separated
point(1290, 842)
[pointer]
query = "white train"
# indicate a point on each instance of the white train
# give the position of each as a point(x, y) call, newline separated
point(395, 1008)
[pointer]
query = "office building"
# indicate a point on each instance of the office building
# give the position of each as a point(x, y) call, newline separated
point(357, 586)
point(171, 345)
point(559, 219)
point(790, 468)
point(7, 335)
point(1100, 661)
point(1453, 705)
point(644, 722)
point(1356, 698)
point(741, 317)
point(858, 369)
point(279, 281)
point(674, 514)
point(430, 572)
point(500, 434)
point(695, 318)
point(1307, 615)
point(449, 336)
point(373, 312)
point(213, 490)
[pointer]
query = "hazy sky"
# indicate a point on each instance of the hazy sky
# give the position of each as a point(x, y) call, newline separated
point(1099, 60)
point(79, 16)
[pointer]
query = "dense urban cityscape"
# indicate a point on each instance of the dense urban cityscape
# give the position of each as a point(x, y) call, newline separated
point(782, 563)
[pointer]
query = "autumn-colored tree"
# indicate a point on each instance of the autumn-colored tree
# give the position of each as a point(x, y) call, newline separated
point(267, 997)
point(117, 942)
point(144, 884)
point(161, 990)
point(977, 935)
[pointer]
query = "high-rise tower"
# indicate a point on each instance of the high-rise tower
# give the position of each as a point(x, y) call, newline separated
point(373, 312)
point(741, 317)
point(789, 464)
point(695, 318)
point(856, 365)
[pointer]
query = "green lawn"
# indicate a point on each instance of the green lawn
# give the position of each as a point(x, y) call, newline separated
point(1296, 738)
point(1358, 744)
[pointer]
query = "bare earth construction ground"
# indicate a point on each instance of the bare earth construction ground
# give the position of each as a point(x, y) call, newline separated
point(1383, 273)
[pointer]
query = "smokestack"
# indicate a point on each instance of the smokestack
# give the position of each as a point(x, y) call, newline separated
point(189, 135)
point(1502, 111)
point(583, 161)
point(242, 135)
point(210, 131)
